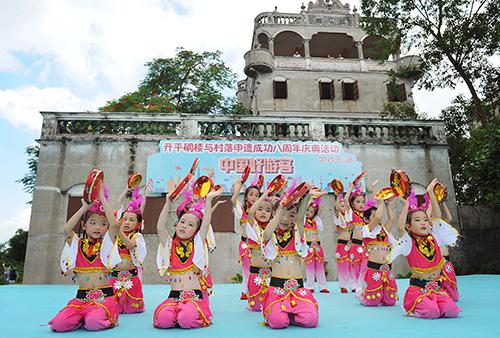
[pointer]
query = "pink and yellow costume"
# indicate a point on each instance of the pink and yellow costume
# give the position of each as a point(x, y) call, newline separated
point(260, 276)
point(427, 298)
point(244, 251)
point(94, 309)
point(187, 309)
point(342, 250)
point(127, 283)
point(379, 283)
point(286, 301)
point(357, 254)
point(315, 268)
point(449, 280)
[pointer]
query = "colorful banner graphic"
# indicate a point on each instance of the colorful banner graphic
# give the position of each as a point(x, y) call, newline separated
point(314, 162)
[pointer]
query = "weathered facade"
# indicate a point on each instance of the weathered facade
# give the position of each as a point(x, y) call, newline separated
point(319, 62)
point(119, 143)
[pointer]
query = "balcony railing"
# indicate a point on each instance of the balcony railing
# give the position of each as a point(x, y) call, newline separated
point(157, 126)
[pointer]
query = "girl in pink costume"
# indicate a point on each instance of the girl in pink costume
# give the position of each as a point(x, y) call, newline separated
point(90, 258)
point(341, 219)
point(259, 216)
point(315, 268)
point(126, 279)
point(357, 254)
point(379, 285)
point(252, 194)
point(449, 281)
point(287, 301)
point(425, 297)
point(184, 257)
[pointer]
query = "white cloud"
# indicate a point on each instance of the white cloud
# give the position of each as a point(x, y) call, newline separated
point(21, 106)
point(19, 220)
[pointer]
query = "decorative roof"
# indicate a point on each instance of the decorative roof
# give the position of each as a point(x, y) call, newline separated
point(328, 6)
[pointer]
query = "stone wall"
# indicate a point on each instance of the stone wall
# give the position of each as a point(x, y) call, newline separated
point(478, 250)
point(67, 154)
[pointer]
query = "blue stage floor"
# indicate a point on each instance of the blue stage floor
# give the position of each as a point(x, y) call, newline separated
point(26, 309)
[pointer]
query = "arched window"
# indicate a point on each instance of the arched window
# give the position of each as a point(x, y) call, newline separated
point(280, 88)
point(333, 45)
point(326, 89)
point(288, 43)
point(263, 41)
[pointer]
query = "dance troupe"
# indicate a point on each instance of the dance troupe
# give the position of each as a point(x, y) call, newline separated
point(279, 226)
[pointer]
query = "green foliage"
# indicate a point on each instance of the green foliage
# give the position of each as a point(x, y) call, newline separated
point(13, 252)
point(399, 110)
point(474, 153)
point(28, 180)
point(456, 39)
point(190, 82)
point(237, 279)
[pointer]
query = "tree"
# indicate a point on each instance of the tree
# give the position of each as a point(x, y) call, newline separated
point(474, 152)
point(13, 252)
point(190, 82)
point(28, 180)
point(455, 39)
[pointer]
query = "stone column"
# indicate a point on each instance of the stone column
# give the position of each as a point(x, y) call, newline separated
point(359, 44)
point(271, 45)
point(307, 53)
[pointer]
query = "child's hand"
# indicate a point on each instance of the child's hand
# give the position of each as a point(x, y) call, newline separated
point(214, 193)
point(430, 187)
point(374, 184)
point(316, 192)
point(85, 205)
point(218, 203)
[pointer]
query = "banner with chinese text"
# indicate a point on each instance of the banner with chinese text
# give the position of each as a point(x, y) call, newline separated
point(313, 162)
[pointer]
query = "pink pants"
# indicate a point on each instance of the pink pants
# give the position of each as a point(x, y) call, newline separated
point(128, 291)
point(343, 265)
point(380, 289)
point(284, 307)
point(449, 281)
point(244, 253)
point(93, 315)
point(187, 314)
point(257, 287)
point(358, 260)
point(429, 304)
point(315, 268)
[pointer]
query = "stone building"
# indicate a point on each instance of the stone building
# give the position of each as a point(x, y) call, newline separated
point(331, 90)
point(319, 62)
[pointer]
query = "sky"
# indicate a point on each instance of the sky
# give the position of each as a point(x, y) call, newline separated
point(64, 55)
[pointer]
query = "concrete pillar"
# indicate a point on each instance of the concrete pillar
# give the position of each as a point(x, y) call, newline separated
point(359, 44)
point(271, 45)
point(307, 53)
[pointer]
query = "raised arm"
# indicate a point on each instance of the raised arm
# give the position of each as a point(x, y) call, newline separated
point(348, 195)
point(207, 217)
point(275, 222)
point(447, 214)
point(236, 190)
point(114, 226)
point(373, 187)
point(390, 216)
point(251, 212)
point(402, 217)
point(122, 196)
point(73, 221)
point(436, 211)
point(377, 216)
point(161, 225)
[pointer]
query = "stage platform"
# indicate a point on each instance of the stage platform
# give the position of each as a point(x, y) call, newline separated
point(26, 309)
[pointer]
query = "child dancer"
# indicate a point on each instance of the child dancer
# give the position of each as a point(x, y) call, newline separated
point(379, 286)
point(449, 281)
point(341, 218)
point(91, 259)
point(132, 248)
point(315, 268)
point(357, 254)
point(252, 194)
point(287, 301)
point(259, 216)
point(420, 243)
point(184, 258)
